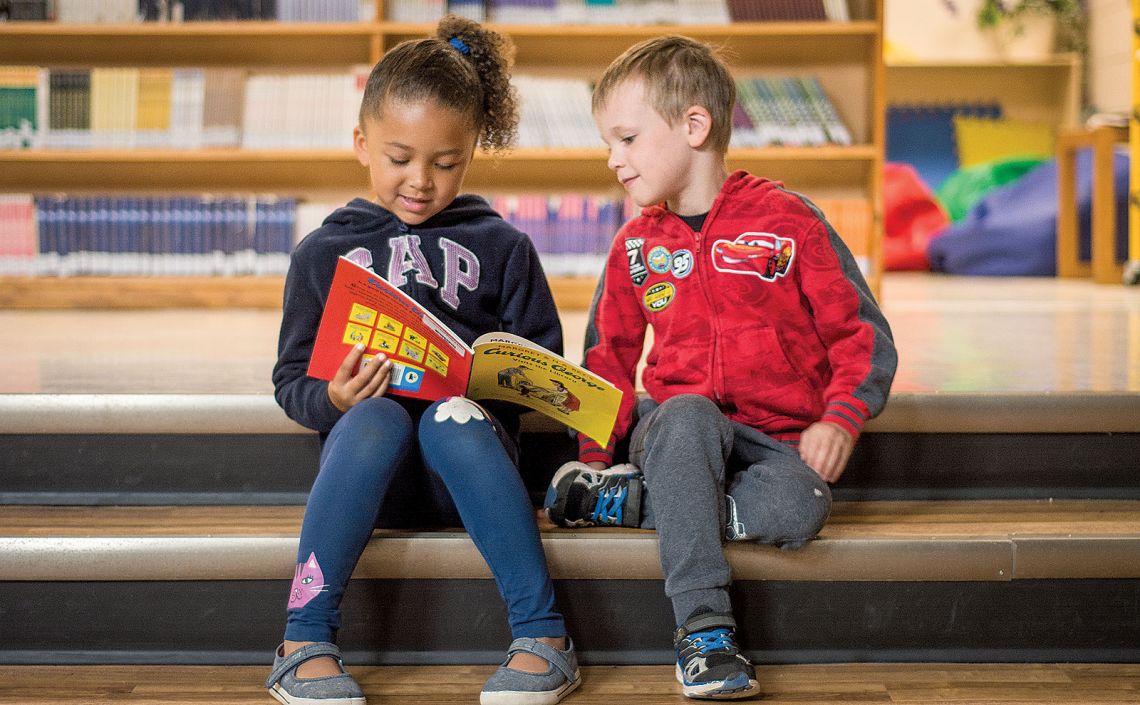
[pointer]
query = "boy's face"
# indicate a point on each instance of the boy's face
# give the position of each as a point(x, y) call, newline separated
point(652, 159)
point(416, 154)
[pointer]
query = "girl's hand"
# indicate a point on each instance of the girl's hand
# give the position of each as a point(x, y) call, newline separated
point(825, 447)
point(346, 390)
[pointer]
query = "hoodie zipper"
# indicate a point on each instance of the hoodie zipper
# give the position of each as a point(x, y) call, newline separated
point(718, 374)
point(717, 387)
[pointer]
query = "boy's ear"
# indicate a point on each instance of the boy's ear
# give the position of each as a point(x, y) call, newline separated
point(698, 125)
point(360, 146)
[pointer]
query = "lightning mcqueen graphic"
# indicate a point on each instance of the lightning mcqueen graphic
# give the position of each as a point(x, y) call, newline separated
point(763, 254)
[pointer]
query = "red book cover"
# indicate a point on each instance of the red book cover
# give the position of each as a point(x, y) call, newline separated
point(428, 360)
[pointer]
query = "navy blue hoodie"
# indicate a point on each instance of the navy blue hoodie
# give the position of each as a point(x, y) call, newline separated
point(465, 264)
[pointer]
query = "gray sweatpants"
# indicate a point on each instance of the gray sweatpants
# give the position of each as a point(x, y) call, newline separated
point(688, 450)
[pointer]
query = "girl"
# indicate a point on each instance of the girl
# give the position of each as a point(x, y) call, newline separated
point(392, 462)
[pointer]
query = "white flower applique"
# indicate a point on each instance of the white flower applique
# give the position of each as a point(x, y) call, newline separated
point(458, 409)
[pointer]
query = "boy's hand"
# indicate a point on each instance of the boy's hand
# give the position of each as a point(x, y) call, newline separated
point(597, 465)
point(825, 447)
point(346, 390)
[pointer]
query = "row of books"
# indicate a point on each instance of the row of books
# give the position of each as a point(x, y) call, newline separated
point(622, 12)
point(145, 236)
point(618, 12)
point(194, 108)
point(204, 235)
point(207, 235)
point(130, 11)
point(789, 111)
point(177, 108)
point(572, 232)
point(770, 111)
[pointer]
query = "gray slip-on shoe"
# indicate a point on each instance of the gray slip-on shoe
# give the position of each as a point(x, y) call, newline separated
point(286, 687)
point(506, 686)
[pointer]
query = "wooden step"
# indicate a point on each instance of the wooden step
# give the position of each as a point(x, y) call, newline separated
point(906, 412)
point(880, 541)
point(975, 581)
point(836, 684)
point(240, 449)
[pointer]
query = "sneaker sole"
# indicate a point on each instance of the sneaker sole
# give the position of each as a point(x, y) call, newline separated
point(523, 697)
point(718, 690)
point(282, 696)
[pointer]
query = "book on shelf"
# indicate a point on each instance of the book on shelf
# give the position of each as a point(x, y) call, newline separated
point(19, 246)
point(777, 10)
point(811, 92)
point(25, 10)
point(95, 11)
point(20, 107)
point(429, 361)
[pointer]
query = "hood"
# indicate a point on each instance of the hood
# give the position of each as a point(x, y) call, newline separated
point(362, 216)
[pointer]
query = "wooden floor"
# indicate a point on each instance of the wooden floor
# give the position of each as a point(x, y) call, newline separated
point(954, 334)
point(961, 684)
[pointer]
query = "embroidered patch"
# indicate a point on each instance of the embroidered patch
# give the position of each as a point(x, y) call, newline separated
point(658, 296)
point(308, 582)
point(763, 255)
point(361, 256)
point(682, 263)
point(636, 257)
point(660, 260)
point(458, 409)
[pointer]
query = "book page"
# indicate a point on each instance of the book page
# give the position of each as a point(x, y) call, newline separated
point(510, 368)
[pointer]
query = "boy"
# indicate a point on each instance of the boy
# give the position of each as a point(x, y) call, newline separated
point(769, 352)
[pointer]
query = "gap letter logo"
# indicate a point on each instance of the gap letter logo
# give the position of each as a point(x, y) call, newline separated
point(763, 255)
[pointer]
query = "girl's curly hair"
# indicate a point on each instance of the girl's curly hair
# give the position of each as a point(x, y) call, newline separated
point(465, 68)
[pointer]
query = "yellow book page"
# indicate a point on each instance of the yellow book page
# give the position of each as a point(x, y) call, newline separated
point(510, 368)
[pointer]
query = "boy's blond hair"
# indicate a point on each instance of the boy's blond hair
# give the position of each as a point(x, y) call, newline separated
point(677, 72)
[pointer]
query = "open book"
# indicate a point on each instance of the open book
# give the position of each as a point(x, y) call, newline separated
point(429, 361)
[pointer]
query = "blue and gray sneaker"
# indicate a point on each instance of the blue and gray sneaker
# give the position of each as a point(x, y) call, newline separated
point(709, 663)
point(581, 496)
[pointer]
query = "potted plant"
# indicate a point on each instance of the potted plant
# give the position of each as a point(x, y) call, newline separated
point(1010, 20)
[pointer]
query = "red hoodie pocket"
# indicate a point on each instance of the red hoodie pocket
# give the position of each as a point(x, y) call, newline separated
point(761, 380)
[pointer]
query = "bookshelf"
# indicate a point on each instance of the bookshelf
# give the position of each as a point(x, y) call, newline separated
point(1043, 91)
point(846, 57)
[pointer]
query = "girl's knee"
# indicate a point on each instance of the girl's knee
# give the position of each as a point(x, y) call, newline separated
point(452, 415)
point(372, 424)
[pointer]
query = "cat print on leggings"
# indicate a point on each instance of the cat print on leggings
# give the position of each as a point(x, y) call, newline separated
point(308, 581)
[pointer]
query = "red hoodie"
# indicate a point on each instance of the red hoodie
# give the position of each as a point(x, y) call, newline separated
point(764, 311)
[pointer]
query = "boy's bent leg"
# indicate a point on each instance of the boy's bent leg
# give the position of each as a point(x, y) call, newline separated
point(360, 457)
point(776, 498)
point(681, 446)
point(460, 443)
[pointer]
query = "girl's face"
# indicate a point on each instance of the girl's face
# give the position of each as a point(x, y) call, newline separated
point(416, 154)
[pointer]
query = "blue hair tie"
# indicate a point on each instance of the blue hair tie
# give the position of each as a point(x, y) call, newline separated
point(458, 44)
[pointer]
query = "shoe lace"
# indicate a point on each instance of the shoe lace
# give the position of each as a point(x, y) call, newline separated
point(610, 502)
point(712, 640)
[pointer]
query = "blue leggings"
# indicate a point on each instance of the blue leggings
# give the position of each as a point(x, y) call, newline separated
point(377, 471)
